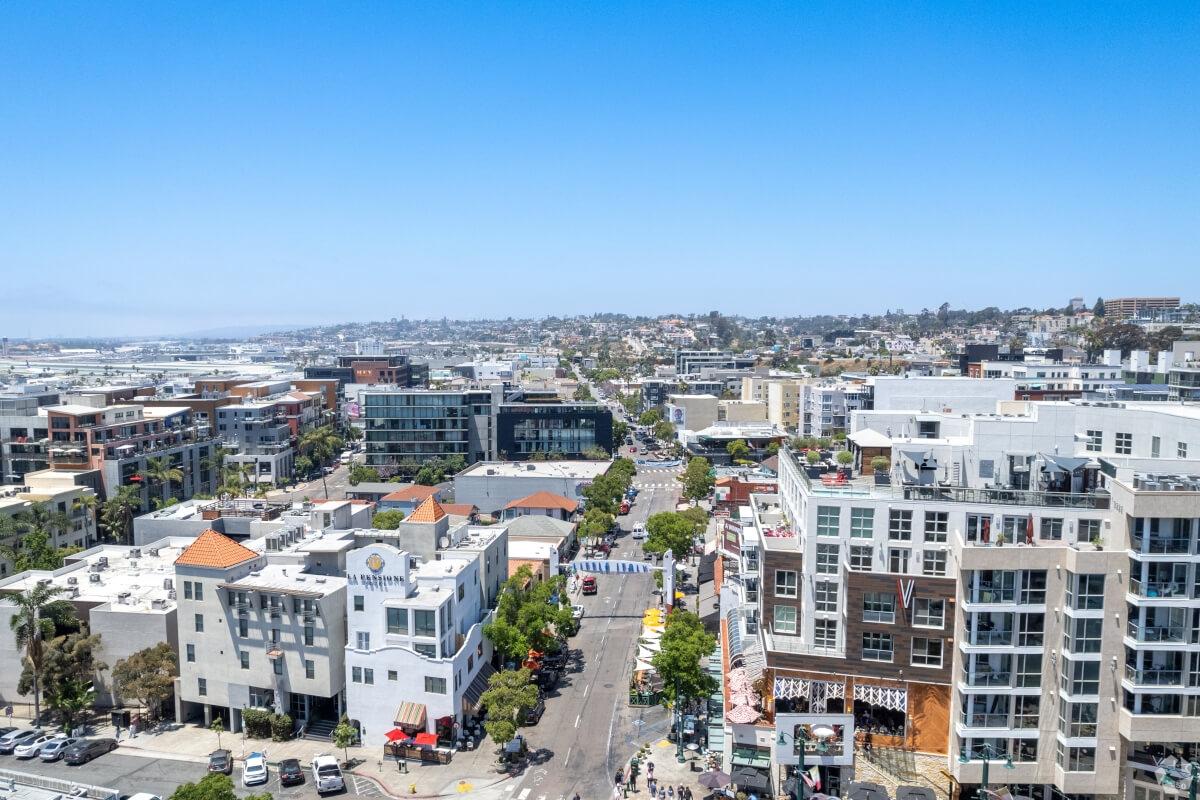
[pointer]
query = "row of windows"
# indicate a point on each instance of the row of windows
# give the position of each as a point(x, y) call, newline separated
point(1123, 444)
point(900, 523)
point(310, 667)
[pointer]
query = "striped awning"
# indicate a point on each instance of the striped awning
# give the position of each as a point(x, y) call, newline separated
point(478, 685)
point(410, 715)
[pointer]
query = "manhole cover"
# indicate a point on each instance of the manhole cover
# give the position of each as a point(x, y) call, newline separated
point(608, 686)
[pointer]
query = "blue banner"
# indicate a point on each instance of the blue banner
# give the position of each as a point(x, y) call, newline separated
point(605, 566)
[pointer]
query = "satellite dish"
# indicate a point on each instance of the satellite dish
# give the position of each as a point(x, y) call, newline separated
point(444, 543)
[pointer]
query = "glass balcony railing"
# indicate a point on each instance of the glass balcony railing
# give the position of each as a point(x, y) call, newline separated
point(1157, 633)
point(1154, 676)
point(1162, 545)
point(1155, 589)
point(985, 720)
point(989, 638)
point(987, 678)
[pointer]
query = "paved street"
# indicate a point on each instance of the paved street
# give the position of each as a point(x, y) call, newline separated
point(589, 728)
point(338, 482)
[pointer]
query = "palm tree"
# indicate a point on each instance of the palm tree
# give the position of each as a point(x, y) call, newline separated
point(117, 514)
point(320, 444)
point(159, 472)
point(42, 517)
point(32, 630)
point(87, 504)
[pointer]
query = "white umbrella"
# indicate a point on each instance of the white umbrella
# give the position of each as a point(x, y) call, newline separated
point(644, 666)
point(645, 653)
point(651, 644)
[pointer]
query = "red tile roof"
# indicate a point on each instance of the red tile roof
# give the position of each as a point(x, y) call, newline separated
point(414, 492)
point(212, 549)
point(459, 509)
point(428, 511)
point(545, 500)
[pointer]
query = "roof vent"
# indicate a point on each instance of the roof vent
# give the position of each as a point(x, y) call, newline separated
point(135, 552)
point(94, 577)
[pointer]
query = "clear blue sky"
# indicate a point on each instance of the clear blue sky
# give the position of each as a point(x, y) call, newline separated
point(177, 166)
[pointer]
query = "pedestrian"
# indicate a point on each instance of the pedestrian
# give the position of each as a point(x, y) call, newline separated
point(619, 778)
point(867, 742)
point(650, 769)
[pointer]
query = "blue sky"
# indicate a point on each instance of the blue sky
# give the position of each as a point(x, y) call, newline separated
point(179, 166)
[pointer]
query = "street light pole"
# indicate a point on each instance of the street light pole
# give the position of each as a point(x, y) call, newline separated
point(988, 752)
point(679, 722)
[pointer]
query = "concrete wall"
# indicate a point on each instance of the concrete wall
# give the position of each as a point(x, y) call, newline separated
point(124, 631)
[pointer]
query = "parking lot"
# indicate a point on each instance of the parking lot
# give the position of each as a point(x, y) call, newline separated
point(130, 774)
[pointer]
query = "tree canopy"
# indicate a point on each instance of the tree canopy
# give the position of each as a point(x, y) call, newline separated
point(669, 531)
point(147, 676)
point(684, 642)
point(697, 479)
point(529, 614)
point(650, 417)
point(213, 786)
point(388, 520)
point(510, 694)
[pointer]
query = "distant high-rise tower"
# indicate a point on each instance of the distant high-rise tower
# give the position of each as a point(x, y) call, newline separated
point(4, 347)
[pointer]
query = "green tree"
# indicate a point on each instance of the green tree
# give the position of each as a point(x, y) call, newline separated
point(32, 630)
point(596, 454)
point(526, 605)
point(619, 431)
point(738, 450)
point(160, 473)
point(213, 786)
point(147, 676)
point(217, 726)
point(669, 531)
point(594, 526)
point(87, 504)
point(304, 465)
point(363, 474)
point(509, 697)
point(430, 475)
point(388, 520)
point(684, 642)
point(583, 394)
point(343, 736)
point(1098, 309)
point(116, 516)
point(772, 449)
point(604, 493)
point(650, 417)
point(697, 479)
point(69, 667)
point(664, 431)
point(321, 444)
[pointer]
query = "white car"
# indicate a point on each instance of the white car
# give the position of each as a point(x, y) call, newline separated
point(34, 746)
point(143, 796)
point(254, 771)
point(327, 775)
point(53, 749)
point(639, 532)
point(577, 612)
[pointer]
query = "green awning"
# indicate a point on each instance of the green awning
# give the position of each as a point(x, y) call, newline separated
point(739, 760)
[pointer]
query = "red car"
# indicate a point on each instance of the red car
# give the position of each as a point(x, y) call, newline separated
point(589, 584)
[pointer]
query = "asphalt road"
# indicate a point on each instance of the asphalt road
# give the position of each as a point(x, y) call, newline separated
point(589, 729)
point(338, 483)
point(130, 774)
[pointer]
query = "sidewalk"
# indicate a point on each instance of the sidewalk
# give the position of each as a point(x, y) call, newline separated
point(667, 770)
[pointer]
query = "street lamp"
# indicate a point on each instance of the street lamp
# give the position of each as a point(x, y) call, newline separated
point(988, 752)
point(1167, 780)
point(679, 724)
point(816, 732)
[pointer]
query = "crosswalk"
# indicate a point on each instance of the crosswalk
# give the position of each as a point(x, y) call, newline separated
point(668, 485)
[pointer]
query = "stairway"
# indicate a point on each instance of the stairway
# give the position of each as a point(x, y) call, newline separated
point(320, 730)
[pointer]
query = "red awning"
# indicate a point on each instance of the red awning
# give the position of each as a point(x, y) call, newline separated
point(395, 734)
point(423, 739)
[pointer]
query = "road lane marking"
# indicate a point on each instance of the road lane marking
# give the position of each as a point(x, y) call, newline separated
point(567, 760)
point(577, 718)
point(524, 793)
point(585, 690)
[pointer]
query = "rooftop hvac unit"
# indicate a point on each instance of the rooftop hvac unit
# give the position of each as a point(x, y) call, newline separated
point(102, 561)
point(44, 582)
point(153, 552)
point(123, 597)
point(94, 577)
point(168, 583)
point(133, 562)
point(71, 581)
point(135, 552)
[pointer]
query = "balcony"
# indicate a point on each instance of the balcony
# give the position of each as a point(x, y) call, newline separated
point(985, 720)
point(1168, 590)
point(989, 638)
point(1154, 676)
point(1156, 633)
point(1161, 545)
point(987, 678)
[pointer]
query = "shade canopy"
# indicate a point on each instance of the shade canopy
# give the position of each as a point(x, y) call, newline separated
point(410, 715)
point(426, 739)
point(715, 779)
point(395, 735)
point(914, 793)
point(750, 778)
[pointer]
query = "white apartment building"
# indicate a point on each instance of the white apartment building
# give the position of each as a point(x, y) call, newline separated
point(257, 635)
point(417, 658)
point(825, 407)
point(1049, 381)
point(56, 496)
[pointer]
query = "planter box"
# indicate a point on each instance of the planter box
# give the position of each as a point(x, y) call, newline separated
point(882, 479)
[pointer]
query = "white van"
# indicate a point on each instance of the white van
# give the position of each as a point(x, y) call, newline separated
point(639, 532)
point(345, 459)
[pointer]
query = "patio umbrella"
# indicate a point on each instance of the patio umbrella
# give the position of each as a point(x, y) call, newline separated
point(715, 779)
point(914, 793)
point(750, 778)
point(865, 791)
point(395, 735)
point(742, 715)
point(643, 666)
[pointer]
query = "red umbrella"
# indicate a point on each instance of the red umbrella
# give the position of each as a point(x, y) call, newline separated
point(426, 739)
point(1029, 530)
point(395, 735)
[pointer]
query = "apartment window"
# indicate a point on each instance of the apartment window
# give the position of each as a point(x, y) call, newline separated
point(1089, 529)
point(1155, 446)
point(397, 620)
point(310, 669)
point(1094, 441)
point(825, 633)
point(1080, 677)
point(1051, 528)
point(191, 653)
point(827, 559)
point(1082, 635)
point(861, 557)
point(244, 657)
point(359, 602)
point(393, 675)
point(1026, 711)
point(1077, 720)
point(862, 523)
point(1181, 450)
point(929, 613)
point(1029, 670)
point(362, 640)
point(1087, 592)
point(1076, 759)
point(900, 524)
point(785, 619)
point(933, 562)
point(277, 664)
point(979, 527)
point(198, 587)
point(926, 652)
point(356, 674)
point(435, 685)
point(828, 518)
point(786, 583)
point(424, 623)
point(187, 590)
point(1030, 628)
point(462, 591)
point(877, 647)
point(825, 594)
point(427, 650)
point(898, 559)
point(308, 635)
point(937, 524)
point(368, 676)
point(199, 623)
point(1123, 445)
point(1033, 587)
point(202, 687)
point(879, 607)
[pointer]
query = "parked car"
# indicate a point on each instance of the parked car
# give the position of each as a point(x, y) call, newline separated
point(254, 771)
point(327, 775)
point(290, 772)
point(85, 750)
point(32, 747)
point(534, 714)
point(220, 761)
point(577, 612)
point(589, 584)
point(143, 796)
point(10, 741)
point(5, 731)
point(639, 532)
point(547, 679)
point(53, 749)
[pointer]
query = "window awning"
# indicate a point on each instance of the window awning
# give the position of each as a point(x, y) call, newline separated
point(410, 715)
point(479, 684)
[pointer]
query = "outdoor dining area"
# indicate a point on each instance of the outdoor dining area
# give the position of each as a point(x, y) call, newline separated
point(646, 685)
point(407, 741)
